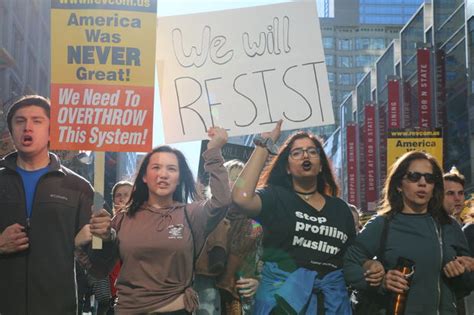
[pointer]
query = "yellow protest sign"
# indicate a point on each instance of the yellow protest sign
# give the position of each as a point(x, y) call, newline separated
point(402, 141)
point(102, 73)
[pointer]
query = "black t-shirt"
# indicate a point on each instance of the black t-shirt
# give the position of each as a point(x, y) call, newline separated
point(297, 235)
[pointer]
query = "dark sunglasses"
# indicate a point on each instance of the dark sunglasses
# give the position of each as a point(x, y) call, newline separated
point(414, 177)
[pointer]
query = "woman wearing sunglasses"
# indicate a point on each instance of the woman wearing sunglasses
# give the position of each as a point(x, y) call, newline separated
point(414, 226)
point(306, 228)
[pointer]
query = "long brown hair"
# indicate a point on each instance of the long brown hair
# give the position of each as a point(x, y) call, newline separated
point(392, 201)
point(185, 191)
point(276, 174)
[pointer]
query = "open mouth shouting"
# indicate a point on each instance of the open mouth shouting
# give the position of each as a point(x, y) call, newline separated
point(162, 184)
point(307, 165)
point(26, 140)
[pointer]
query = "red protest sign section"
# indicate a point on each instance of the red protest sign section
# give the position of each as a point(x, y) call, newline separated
point(101, 117)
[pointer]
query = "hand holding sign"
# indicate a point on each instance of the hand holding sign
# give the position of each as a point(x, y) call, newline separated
point(100, 222)
point(275, 133)
point(218, 137)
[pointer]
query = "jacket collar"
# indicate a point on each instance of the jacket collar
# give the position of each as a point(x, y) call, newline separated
point(9, 162)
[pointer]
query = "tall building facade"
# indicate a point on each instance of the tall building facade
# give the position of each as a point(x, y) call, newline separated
point(387, 11)
point(355, 38)
point(325, 8)
point(422, 81)
point(24, 54)
point(25, 48)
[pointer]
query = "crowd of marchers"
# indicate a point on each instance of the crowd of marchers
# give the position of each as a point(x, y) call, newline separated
point(268, 236)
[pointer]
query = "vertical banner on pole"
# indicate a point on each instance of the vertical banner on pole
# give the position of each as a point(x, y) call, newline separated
point(393, 103)
point(382, 147)
point(352, 160)
point(361, 161)
point(424, 88)
point(370, 158)
point(442, 119)
point(440, 86)
point(407, 110)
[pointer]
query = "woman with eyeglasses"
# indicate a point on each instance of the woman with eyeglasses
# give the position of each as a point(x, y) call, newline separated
point(306, 228)
point(414, 226)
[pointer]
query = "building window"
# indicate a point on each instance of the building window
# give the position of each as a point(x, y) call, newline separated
point(15, 87)
point(332, 77)
point(19, 7)
point(43, 83)
point(18, 41)
point(364, 60)
point(32, 64)
point(330, 60)
point(344, 44)
point(345, 79)
point(45, 49)
point(33, 25)
point(4, 31)
point(377, 43)
point(341, 95)
point(362, 43)
point(359, 76)
point(328, 42)
point(344, 61)
point(370, 43)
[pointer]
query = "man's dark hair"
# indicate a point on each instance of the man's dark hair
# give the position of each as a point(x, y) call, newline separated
point(28, 100)
point(454, 176)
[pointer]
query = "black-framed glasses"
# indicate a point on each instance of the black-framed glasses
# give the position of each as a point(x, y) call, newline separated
point(414, 177)
point(298, 154)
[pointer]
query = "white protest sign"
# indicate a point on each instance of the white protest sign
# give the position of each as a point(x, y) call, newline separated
point(242, 69)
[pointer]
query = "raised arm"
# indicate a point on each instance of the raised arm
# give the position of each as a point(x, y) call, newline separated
point(243, 193)
point(206, 214)
point(214, 164)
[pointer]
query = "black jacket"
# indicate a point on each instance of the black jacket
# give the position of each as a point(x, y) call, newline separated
point(41, 280)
